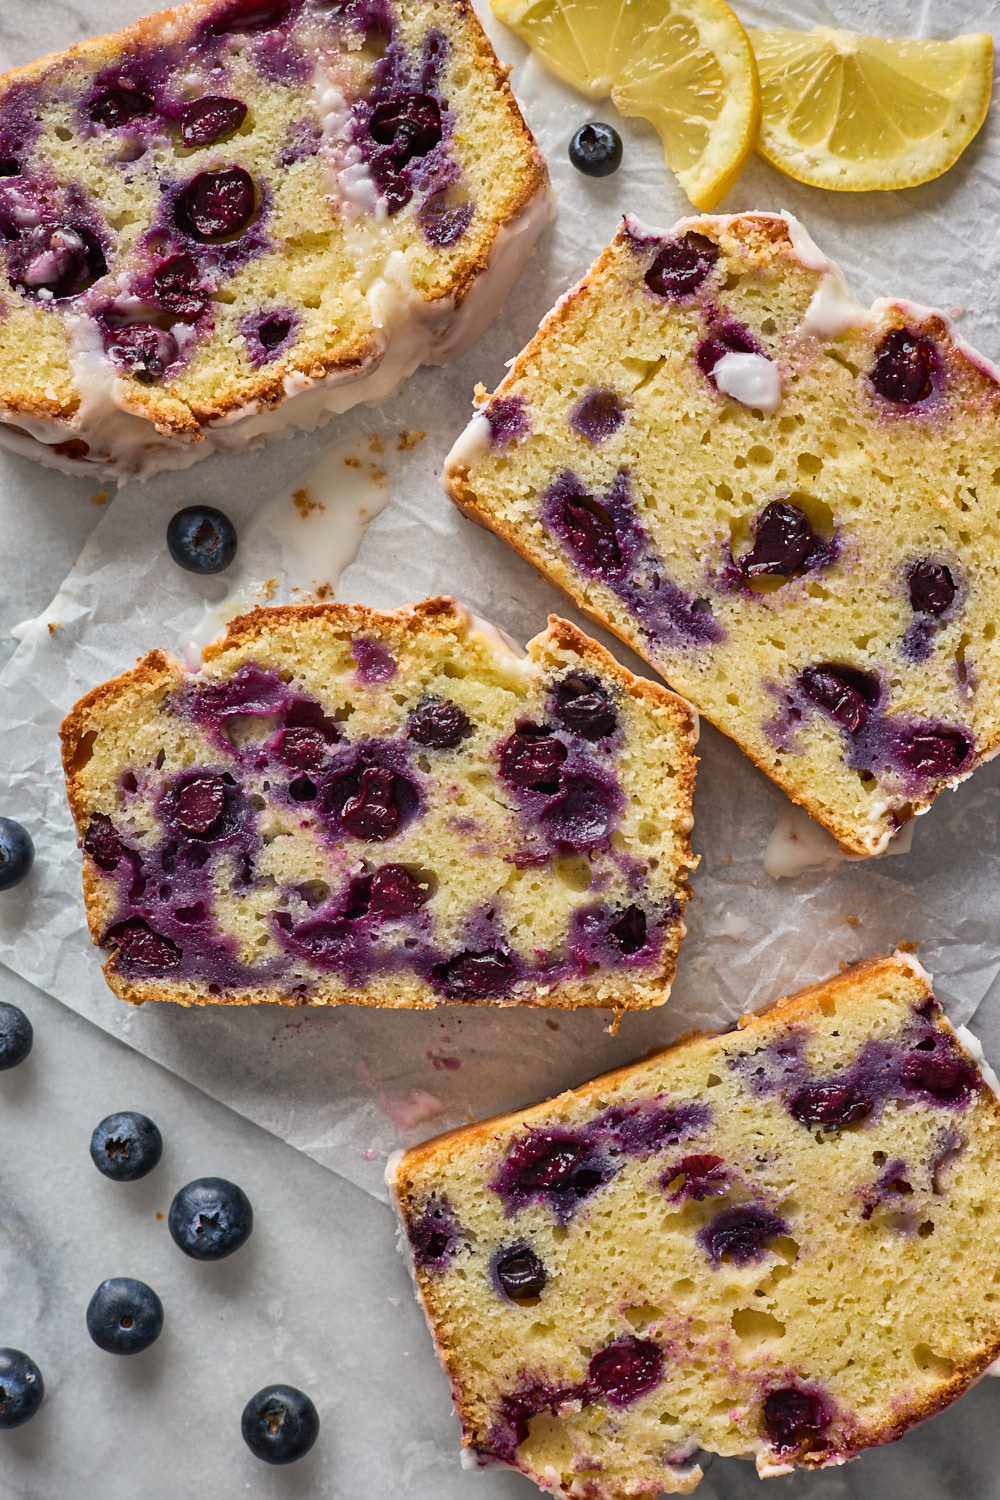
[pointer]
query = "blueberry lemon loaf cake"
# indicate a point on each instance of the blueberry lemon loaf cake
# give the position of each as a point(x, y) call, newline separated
point(786, 503)
point(239, 216)
point(388, 809)
point(777, 1242)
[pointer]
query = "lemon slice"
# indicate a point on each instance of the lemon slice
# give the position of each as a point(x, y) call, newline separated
point(859, 112)
point(686, 66)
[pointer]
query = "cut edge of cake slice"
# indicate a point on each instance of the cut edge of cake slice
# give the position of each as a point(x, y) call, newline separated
point(651, 739)
point(828, 319)
point(819, 1432)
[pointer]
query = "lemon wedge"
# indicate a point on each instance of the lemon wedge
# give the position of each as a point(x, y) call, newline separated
point(853, 112)
point(686, 66)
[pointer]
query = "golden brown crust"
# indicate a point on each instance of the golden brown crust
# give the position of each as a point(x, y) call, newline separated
point(441, 616)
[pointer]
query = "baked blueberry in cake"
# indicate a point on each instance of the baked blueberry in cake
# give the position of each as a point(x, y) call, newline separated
point(388, 809)
point(776, 1242)
point(239, 216)
point(785, 502)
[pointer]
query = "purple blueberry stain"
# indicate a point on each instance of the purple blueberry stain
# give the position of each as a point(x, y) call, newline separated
point(621, 937)
point(555, 1167)
point(269, 334)
point(906, 369)
point(403, 125)
point(774, 1069)
point(444, 221)
point(375, 663)
point(917, 752)
point(598, 415)
point(681, 266)
point(508, 419)
point(436, 1236)
point(646, 1126)
point(796, 1418)
point(741, 1234)
point(605, 540)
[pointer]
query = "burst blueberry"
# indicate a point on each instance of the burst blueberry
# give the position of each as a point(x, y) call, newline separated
point(201, 539)
point(126, 1146)
point(210, 1218)
point(582, 706)
point(142, 350)
point(596, 149)
point(681, 266)
point(847, 694)
point(520, 1273)
point(478, 975)
point(279, 1424)
point(931, 587)
point(119, 105)
point(793, 1417)
point(530, 758)
point(211, 119)
point(904, 368)
point(438, 724)
point(740, 1234)
point(626, 1370)
point(783, 539)
point(834, 1105)
point(124, 1316)
point(218, 204)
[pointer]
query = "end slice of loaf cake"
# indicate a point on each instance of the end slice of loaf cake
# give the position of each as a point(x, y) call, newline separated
point(786, 503)
point(777, 1242)
point(237, 217)
point(385, 809)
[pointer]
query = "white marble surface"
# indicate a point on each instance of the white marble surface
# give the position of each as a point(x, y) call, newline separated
point(319, 1296)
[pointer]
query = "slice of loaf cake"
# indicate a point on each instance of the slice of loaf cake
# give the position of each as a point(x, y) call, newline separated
point(387, 809)
point(777, 1242)
point(786, 503)
point(239, 216)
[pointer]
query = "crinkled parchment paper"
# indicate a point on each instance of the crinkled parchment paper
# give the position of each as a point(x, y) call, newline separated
point(346, 1086)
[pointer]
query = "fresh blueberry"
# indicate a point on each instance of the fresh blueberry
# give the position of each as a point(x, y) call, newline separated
point(834, 1105)
point(118, 105)
point(931, 586)
point(201, 539)
point(17, 853)
point(218, 204)
point(279, 1424)
point(904, 368)
point(521, 1273)
point(21, 1388)
point(438, 724)
point(847, 694)
point(210, 1218)
point(782, 540)
point(596, 150)
point(211, 119)
point(124, 1316)
point(125, 1146)
point(142, 350)
point(626, 1370)
point(16, 1036)
point(681, 266)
